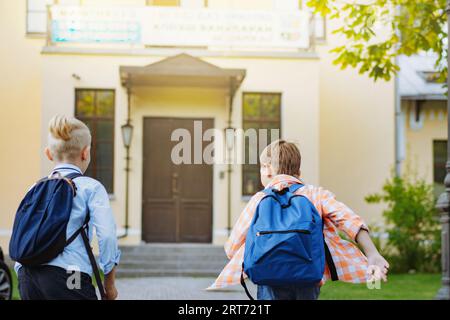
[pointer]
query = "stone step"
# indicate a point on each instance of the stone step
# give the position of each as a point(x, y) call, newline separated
point(173, 257)
point(138, 273)
point(159, 260)
point(179, 265)
point(173, 249)
point(144, 260)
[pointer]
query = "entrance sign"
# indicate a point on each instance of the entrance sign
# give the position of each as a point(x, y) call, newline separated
point(177, 26)
point(94, 25)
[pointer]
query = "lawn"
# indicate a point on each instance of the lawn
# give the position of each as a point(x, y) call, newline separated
point(15, 295)
point(399, 287)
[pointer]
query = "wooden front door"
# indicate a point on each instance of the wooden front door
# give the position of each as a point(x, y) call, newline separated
point(176, 199)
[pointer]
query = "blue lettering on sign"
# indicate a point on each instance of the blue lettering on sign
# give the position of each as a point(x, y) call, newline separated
point(96, 32)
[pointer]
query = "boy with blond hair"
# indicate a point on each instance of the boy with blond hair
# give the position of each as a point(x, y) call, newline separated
point(280, 168)
point(69, 146)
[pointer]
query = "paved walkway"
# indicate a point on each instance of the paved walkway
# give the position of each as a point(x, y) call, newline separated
point(173, 288)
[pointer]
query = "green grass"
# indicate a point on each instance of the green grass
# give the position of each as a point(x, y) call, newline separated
point(398, 287)
point(15, 294)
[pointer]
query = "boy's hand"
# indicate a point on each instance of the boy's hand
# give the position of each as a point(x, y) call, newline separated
point(111, 292)
point(378, 267)
point(110, 287)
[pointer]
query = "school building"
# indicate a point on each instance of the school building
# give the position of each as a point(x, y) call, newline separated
point(161, 65)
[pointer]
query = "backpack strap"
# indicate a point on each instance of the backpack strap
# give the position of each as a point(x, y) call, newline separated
point(329, 258)
point(247, 292)
point(84, 230)
point(292, 189)
point(286, 202)
point(73, 175)
point(98, 279)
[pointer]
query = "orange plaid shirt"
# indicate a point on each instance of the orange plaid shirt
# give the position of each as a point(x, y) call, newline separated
point(351, 264)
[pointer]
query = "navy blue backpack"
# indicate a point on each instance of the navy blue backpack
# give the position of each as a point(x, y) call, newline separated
point(40, 225)
point(285, 243)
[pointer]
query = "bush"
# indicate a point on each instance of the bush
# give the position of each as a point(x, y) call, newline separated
point(412, 225)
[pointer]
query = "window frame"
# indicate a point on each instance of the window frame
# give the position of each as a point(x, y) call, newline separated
point(94, 135)
point(27, 25)
point(150, 3)
point(40, 34)
point(280, 94)
point(319, 39)
point(434, 142)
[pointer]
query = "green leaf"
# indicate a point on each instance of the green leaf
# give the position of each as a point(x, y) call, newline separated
point(418, 25)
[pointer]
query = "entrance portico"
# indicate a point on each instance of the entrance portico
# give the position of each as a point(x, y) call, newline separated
point(178, 201)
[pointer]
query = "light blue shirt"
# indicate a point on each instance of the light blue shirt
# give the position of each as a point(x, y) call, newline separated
point(90, 194)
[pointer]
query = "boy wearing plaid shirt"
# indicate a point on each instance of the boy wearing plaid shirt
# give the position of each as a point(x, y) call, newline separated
point(280, 168)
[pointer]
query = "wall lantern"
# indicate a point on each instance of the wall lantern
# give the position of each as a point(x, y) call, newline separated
point(127, 134)
point(229, 137)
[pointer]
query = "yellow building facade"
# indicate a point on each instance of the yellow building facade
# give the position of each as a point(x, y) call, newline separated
point(343, 122)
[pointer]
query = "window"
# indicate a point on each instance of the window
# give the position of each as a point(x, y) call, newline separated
point(164, 3)
point(429, 76)
point(194, 3)
point(37, 13)
point(259, 111)
point(318, 21)
point(439, 160)
point(96, 109)
point(320, 27)
point(179, 3)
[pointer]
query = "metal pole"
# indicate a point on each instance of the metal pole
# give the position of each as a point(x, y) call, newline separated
point(127, 174)
point(443, 202)
point(229, 168)
point(229, 171)
point(127, 169)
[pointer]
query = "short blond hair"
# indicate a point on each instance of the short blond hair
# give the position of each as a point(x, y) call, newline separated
point(67, 137)
point(284, 157)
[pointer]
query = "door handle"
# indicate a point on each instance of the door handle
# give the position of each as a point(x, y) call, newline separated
point(174, 183)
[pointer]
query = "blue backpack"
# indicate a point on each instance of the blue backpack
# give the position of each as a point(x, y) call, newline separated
point(285, 243)
point(40, 225)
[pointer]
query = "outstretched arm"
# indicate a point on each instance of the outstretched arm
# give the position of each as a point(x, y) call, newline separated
point(103, 220)
point(352, 224)
point(378, 266)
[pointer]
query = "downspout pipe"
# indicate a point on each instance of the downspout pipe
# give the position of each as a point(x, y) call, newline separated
point(399, 122)
point(229, 167)
point(399, 129)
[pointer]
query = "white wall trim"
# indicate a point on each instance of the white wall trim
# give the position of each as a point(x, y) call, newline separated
point(175, 51)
